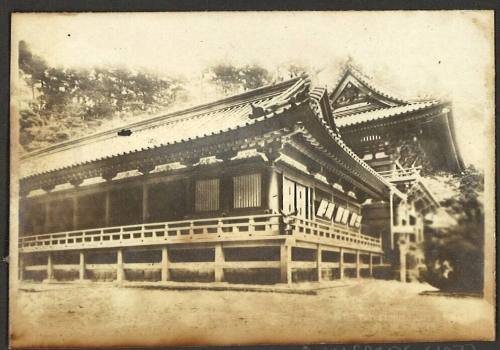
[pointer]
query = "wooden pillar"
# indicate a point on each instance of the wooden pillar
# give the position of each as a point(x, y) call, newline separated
point(402, 263)
point(46, 224)
point(21, 267)
point(319, 264)
point(226, 192)
point(165, 276)
point(341, 263)
point(285, 263)
point(391, 217)
point(82, 266)
point(107, 208)
point(371, 264)
point(145, 202)
point(189, 195)
point(75, 212)
point(358, 264)
point(120, 273)
point(50, 268)
point(219, 263)
point(273, 190)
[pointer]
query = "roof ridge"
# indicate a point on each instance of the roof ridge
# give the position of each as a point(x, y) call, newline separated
point(347, 120)
point(388, 107)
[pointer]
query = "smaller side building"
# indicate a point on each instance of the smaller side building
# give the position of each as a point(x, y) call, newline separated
point(404, 141)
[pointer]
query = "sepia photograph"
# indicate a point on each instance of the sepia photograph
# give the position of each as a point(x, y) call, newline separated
point(251, 178)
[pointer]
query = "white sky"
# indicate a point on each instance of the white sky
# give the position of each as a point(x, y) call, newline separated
point(443, 54)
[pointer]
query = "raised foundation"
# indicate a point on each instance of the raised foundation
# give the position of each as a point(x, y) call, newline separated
point(283, 261)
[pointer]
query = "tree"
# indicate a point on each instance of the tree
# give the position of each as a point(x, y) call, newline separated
point(232, 79)
point(67, 102)
point(455, 255)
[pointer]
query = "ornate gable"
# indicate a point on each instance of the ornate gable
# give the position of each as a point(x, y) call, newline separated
point(355, 93)
point(354, 97)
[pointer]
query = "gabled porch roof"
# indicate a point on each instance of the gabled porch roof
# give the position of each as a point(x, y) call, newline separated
point(359, 104)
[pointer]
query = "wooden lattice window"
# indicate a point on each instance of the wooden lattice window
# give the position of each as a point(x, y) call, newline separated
point(207, 195)
point(247, 191)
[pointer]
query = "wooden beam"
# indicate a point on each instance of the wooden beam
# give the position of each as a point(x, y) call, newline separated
point(142, 266)
point(36, 268)
point(304, 265)
point(330, 265)
point(195, 266)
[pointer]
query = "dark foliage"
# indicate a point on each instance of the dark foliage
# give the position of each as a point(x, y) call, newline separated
point(455, 256)
point(231, 78)
point(64, 103)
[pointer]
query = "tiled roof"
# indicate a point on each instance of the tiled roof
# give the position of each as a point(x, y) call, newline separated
point(218, 117)
point(383, 113)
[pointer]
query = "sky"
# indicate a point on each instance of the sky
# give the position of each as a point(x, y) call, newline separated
point(443, 54)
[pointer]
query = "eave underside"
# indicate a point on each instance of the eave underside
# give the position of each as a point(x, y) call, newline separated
point(434, 128)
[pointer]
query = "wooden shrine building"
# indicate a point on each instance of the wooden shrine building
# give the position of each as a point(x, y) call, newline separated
point(284, 183)
point(404, 141)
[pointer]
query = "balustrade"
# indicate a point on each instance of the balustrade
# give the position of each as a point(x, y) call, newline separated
point(331, 233)
point(244, 227)
point(152, 233)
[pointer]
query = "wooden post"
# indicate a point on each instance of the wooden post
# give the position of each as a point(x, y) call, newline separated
point(21, 267)
point(341, 263)
point(50, 268)
point(371, 264)
point(273, 195)
point(189, 195)
point(402, 263)
point(145, 206)
point(82, 266)
point(46, 224)
point(391, 217)
point(164, 265)
point(358, 264)
point(219, 263)
point(285, 263)
point(319, 265)
point(120, 274)
point(75, 212)
point(107, 208)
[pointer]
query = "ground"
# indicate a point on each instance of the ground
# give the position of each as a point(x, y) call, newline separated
point(351, 310)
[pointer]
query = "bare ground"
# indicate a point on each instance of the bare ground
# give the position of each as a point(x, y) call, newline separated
point(356, 311)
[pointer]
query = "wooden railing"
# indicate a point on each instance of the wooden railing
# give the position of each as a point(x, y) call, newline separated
point(331, 233)
point(155, 233)
point(401, 174)
point(198, 230)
